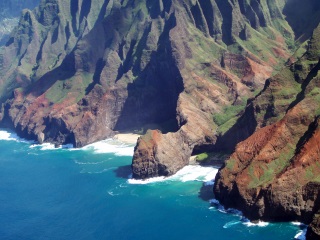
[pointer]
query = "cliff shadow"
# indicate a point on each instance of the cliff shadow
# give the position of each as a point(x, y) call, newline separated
point(244, 127)
point(303, 18)
point(206, 192)
point(123, 171)
point(153, 96)
point(61, 73)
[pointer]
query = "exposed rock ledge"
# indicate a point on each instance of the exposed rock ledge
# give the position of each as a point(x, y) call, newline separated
point(158, 154)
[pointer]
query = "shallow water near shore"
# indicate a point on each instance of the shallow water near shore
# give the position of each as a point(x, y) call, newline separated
point(48, 193)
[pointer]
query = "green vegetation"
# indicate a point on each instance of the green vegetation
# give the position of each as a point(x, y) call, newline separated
point(202, 157)
point(230, 163)
point(74, 86)
point(203, 49)
point(228, 113)
point(228, 117)
point(270, 170)
point(313, 173)
point(314, 45)
point(268, 36)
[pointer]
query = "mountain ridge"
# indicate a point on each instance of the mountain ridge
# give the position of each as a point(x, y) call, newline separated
point(191, 72)
point(273, 174)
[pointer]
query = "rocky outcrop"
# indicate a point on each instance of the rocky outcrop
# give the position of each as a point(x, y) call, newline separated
point(313, 231)
point(274, 174)
point(239, 73)
point(77, 71)
point(9, 16)
point(82, 71)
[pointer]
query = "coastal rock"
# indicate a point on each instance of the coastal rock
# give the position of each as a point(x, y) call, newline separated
point(274, 174)
point(9, 16)
point(92, 69)
point(313, 231)
point(82, 71)
point(78, 71)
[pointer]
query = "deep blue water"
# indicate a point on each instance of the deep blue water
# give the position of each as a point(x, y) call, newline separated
point(50, 193)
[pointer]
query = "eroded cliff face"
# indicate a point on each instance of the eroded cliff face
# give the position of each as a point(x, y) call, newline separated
point(76, 71)
point(206, 113)
point(274, 174)
point(10, 11)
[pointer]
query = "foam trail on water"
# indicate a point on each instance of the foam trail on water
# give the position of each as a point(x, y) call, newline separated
point(97, 172)
point(104, 146)
point(258, 224)
point(188, 173)
point(110, 146)
point(90, 163)
point(236, 212)
point(50, 146)
point(301, 235)
point(147, 181)
point(230, 224)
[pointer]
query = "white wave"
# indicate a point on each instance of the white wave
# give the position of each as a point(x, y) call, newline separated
point(300, 224)
point(110, 146)
point(195, 173)
point(50, 146)
point(44, 146)
point(255, 224)
point(188, 173)
point(9, 136)
point(301, 235)
point(236, 212)
point(147, 181)
point(230, 224)
point(104, 146)
point(218, 206)
point(4, 135)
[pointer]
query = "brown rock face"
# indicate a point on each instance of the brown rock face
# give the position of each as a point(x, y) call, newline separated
point(274, 174)
point(313, 229)
point(76, 71)
point(9, 16)
point(266, 180)
point(79, 70)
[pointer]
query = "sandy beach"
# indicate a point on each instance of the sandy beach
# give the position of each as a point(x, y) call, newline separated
point(129, 138)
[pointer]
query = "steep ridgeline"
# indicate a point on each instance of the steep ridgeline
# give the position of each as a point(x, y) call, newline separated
point(10, 11)
point(255, 38)
point(76, 71)
point(274, 174)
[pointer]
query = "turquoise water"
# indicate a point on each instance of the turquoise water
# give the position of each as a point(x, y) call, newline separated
point(48, 193)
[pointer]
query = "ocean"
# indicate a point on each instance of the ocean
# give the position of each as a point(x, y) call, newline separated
point(88, 193)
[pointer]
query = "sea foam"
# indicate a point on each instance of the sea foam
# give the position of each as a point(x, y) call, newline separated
point(301, 235)
point(188, 173)
point(110, 146)
point(50, 146)
point(101, 147)
point(245, 221)
point(9, 136)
